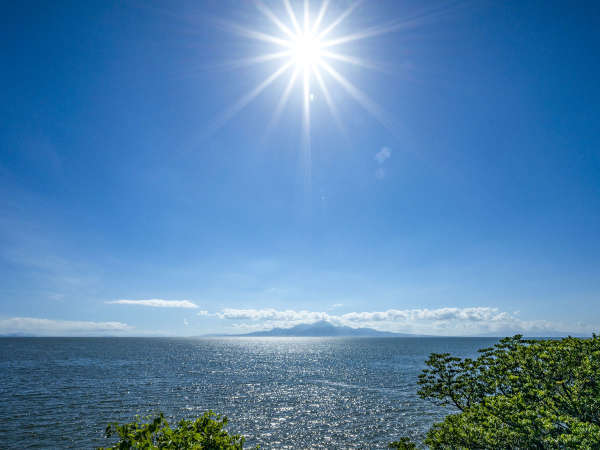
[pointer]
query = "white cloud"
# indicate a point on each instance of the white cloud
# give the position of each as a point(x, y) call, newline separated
point(203, 313)
point(272, 314)
point(383, 154)
point(49, 327)
point(441, 321)
point(469, 314)
point(185, 322)
point(157, 303)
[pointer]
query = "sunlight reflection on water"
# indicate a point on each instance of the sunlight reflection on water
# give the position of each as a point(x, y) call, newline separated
point(279, 392)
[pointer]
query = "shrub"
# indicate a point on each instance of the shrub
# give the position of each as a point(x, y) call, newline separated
point(403, 444)
point(206, 433)
point(518, 394)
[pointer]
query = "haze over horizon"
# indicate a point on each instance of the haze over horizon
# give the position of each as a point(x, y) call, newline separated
point(423, 167)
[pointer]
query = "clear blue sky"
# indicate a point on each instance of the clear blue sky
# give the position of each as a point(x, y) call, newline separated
point(469, 204)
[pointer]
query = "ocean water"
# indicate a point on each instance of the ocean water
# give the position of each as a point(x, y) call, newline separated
point(278, 392)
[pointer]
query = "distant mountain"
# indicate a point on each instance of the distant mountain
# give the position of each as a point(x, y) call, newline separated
point(323, 329)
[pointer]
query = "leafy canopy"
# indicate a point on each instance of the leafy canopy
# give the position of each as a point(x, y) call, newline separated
point(205, 433)
point(537, 394)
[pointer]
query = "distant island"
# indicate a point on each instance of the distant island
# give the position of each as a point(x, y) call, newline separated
point(323, 329)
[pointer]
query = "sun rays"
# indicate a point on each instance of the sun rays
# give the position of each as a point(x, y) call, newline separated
point(312, 52)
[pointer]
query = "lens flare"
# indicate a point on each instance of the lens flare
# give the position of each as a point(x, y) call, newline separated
point(310, 48)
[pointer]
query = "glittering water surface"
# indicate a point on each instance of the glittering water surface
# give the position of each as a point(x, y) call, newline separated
point(278, 392)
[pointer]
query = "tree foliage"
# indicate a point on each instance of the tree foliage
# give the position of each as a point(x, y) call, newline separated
point(403, 444)
point(535, 394)
point(205, 433)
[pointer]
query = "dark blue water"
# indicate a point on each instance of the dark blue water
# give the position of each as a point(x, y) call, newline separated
point(278, 392)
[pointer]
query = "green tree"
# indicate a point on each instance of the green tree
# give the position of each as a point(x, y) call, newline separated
point(403, 444)
point(205, 433)
point(534, 394)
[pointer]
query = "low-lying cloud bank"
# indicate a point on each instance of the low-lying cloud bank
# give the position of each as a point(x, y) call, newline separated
point(49, 327)
point(156, 303)
point(478, 320)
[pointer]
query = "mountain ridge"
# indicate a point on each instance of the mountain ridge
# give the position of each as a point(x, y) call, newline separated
point(323, 329)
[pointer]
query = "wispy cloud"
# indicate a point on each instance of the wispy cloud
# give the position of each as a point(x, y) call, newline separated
point(40, 256)
point(441, 321)
point(156, 303)
point(382, 155)
point(49, 327)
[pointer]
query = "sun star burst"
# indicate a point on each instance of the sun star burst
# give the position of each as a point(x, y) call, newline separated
point(309, 51)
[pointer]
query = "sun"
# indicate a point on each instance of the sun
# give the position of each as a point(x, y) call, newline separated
point(313, 53)
point(306, 50)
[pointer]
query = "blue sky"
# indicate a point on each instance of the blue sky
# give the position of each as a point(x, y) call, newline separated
point(461, 196)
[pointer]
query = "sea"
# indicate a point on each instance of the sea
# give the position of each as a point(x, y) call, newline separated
point(278, 392)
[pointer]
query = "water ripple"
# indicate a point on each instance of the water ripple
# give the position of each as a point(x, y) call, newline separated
point(280, 393)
